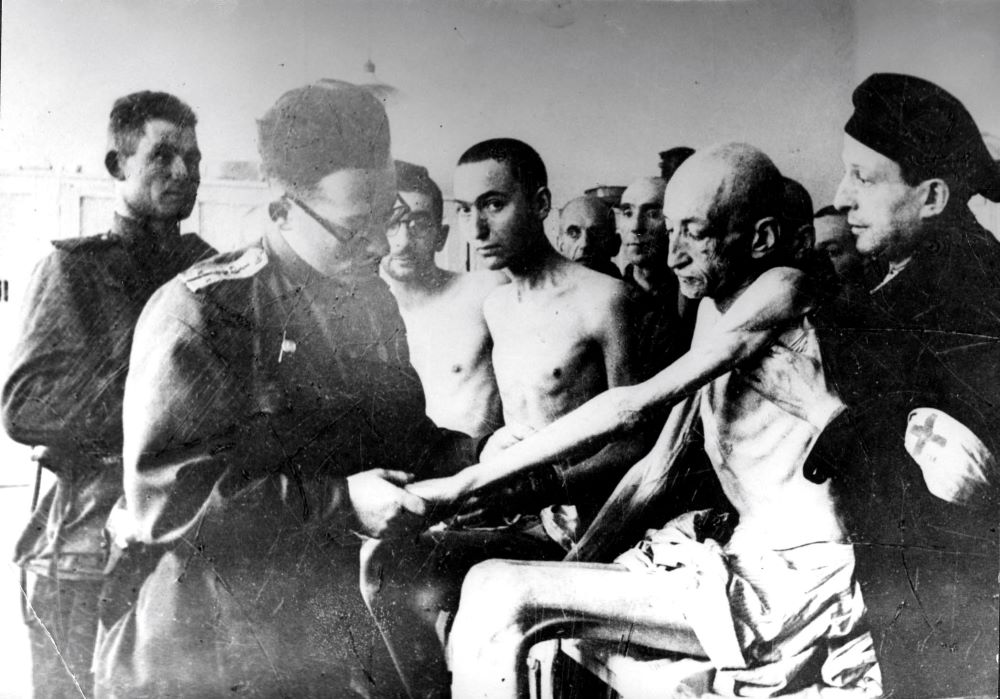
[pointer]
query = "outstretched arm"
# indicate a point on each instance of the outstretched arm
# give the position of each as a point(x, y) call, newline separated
point(761, 312)
point(637, 490)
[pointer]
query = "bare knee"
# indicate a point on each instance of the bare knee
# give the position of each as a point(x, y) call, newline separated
point(497, 591)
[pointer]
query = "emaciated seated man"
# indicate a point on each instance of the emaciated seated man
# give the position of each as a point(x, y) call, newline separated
point(587, 235)
point(450, 346)
point(772, 601)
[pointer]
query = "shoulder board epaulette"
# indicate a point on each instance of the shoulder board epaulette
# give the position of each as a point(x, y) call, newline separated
point(90, 242)
point(241, 264)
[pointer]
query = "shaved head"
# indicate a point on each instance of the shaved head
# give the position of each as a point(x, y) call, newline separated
point(719, 205)
point(639, 220)
point(744, 183)
point(645, 189)
point(589, 207)
point(587, 231)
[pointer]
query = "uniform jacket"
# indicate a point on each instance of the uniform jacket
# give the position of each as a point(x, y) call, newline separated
point(67, 379)
point(258, 386)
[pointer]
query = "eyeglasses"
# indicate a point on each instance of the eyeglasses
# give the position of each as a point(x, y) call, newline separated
point(417, 224)
point(342, 234)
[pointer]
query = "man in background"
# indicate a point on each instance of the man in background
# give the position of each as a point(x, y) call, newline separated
point(450, 346)
point(668, 318)
point(63, 394)
point(834, 240)
point(587, 235)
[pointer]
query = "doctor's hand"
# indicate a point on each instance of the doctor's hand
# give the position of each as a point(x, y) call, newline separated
point(382, 505)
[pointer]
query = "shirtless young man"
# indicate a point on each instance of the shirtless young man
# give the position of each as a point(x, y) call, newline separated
point(786, 570)
point(561, 335)
point(450, 347)
point(561, 331)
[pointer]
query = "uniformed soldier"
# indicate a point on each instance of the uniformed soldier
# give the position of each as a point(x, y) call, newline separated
point(64, 392)
point(270, 399)
point(918, 363)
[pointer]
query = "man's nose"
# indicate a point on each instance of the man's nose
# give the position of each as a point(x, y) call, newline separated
point(633, 226)
point(844, 198)
point(482, 226)
point(179, 169)
point(378, 244)
point(398, 240)
point(677, 255)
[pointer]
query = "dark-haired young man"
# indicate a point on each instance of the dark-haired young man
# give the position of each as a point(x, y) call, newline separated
point(63, 394)
point(561, 334)
point(450, 346)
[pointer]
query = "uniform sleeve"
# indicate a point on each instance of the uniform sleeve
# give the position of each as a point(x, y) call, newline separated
point(198, 448)
point(61, 390)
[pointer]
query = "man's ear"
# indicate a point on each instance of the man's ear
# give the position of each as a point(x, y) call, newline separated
point(442, 237)
point(765, 237)
point(934, 195)
point(543, 202)
point(113, 162)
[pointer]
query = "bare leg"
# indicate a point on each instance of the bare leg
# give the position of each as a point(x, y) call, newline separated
point(412, 588)
point(508, 606)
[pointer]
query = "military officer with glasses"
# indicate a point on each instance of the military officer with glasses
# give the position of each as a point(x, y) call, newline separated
point(270, 403)
point(450, 346)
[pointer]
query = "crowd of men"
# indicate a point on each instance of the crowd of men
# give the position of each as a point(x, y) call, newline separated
point(768, 440)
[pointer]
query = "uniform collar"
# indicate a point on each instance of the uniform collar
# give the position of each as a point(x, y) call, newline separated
point(135, 233)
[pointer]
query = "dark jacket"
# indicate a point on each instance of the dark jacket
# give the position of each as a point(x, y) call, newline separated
point(67, 379)
point(929, 338)
point(258, 387)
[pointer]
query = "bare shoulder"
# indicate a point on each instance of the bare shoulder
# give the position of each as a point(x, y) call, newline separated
point(497, 299)
point(481, 283)
point(779, 294)
point(599, 293)
point(787, 286)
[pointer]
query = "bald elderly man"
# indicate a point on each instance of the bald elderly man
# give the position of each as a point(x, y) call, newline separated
point(769, 601)
point(587, 235)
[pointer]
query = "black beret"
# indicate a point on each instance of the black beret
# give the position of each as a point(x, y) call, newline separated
point(923, 128)
point(321, 128)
